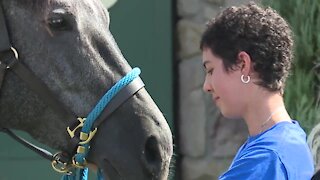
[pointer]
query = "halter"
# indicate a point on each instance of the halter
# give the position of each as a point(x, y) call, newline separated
point(117, 95)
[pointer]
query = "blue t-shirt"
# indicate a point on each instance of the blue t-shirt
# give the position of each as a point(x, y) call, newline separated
point(279, 153)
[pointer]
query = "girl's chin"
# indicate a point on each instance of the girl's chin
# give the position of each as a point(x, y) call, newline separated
point(229, 115)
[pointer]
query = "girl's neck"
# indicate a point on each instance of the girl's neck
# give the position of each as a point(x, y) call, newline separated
point(264, 112)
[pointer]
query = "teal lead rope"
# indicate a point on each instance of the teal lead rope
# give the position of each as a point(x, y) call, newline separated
point(82, 175)
point(80, 157)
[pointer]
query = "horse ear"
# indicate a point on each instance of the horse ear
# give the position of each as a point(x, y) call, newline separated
point(109, 3)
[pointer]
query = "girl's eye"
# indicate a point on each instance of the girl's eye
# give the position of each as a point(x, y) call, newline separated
point(210, 71)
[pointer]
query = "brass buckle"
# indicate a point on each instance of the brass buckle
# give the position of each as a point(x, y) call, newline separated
point(59, 166)
point(84, 137)
point(72, 132)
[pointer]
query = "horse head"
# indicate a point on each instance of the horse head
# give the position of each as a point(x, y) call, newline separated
point(68, 46)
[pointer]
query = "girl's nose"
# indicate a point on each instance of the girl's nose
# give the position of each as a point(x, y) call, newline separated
point(206, 86)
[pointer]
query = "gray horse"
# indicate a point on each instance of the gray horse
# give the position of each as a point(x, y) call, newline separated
point(68, 46)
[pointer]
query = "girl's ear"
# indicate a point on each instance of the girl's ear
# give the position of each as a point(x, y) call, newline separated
point(245, 63)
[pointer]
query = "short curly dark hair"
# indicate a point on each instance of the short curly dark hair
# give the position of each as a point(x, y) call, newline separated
point(260, 32)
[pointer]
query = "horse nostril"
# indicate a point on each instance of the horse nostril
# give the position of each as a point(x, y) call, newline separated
point(152, 150)
point(152, 156)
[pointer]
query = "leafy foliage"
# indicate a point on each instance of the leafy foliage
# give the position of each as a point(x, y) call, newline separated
point(302, 92)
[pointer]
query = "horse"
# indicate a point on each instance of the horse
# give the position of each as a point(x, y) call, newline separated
point(314, 144)
point(68, 47)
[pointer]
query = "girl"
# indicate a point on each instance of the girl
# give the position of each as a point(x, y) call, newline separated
point(247, 55)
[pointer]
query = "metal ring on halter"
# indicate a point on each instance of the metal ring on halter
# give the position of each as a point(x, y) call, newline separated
point(16, 55)
point(245, 81)
point(15, 52)
point(60, 166)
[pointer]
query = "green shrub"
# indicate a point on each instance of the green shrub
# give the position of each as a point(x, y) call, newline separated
point(302, 91)
point(300, 99)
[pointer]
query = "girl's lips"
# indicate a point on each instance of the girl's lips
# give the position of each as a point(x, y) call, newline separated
point(215, 99)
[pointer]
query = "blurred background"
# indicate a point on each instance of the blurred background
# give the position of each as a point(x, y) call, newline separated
point(162, 38)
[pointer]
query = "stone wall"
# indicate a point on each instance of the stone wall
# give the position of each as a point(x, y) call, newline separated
point(208, 142)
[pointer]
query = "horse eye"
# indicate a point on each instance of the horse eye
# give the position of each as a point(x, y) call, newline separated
point(59, 20)
point(58, 24)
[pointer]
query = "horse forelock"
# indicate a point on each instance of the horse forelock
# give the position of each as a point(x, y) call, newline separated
point(35, 4)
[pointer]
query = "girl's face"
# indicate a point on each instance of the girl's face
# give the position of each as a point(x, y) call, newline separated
point(226, 88)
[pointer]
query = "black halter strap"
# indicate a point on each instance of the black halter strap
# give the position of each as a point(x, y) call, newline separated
point(4, 40)
point(29, 78)
point(2, 73)
point(5, 44)
point(119, 99)
point(35, 84)
point(26, 75)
